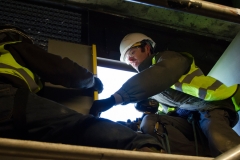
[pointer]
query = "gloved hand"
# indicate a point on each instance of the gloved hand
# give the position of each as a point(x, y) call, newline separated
point(148, 105)
point(98, 86)
point(99, 106)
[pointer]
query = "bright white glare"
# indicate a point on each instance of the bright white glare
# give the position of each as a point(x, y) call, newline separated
point(112, 80)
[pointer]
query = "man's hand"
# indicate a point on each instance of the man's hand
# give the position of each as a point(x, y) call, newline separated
point(98, 86)
point(99, 106)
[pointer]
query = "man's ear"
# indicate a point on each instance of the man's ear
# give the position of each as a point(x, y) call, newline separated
point(148, 49)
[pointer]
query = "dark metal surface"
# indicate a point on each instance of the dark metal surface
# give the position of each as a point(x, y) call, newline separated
point(42, 22)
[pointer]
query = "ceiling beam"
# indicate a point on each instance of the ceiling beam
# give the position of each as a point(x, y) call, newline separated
point(174, 14)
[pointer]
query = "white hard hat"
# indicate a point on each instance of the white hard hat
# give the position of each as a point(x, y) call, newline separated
point(129, 40)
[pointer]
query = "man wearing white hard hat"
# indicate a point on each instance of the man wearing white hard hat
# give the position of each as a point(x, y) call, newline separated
point(173, 79)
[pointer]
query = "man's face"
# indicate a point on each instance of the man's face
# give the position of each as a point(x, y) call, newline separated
point(135, 56)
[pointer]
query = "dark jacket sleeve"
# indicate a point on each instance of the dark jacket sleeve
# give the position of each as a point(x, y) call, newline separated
point(155, 79)
point(51, 68)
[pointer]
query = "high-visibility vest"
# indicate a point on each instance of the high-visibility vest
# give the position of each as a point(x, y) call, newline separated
point(195, 83)
point(162, 111)
point(8, 65)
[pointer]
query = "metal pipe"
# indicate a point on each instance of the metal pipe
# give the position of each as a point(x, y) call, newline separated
point(114, 64)
point(231, 154)
point(199, 7)
point(43, 150)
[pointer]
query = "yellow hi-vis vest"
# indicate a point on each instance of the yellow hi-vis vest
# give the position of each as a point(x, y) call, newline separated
point(161, 110)
point(8, 65)
point(195, 83)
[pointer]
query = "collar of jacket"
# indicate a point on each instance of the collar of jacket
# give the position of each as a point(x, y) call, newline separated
point(147, 62)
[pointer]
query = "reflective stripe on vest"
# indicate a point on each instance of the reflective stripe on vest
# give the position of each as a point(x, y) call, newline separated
point(195, 83)
point(8, 65)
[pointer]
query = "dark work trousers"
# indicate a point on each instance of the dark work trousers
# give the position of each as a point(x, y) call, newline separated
point(216, 126)
point(180, 134)
point(48, 121)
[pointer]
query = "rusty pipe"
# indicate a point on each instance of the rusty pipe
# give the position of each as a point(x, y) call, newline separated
point(199, 7)
point(10, 148)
